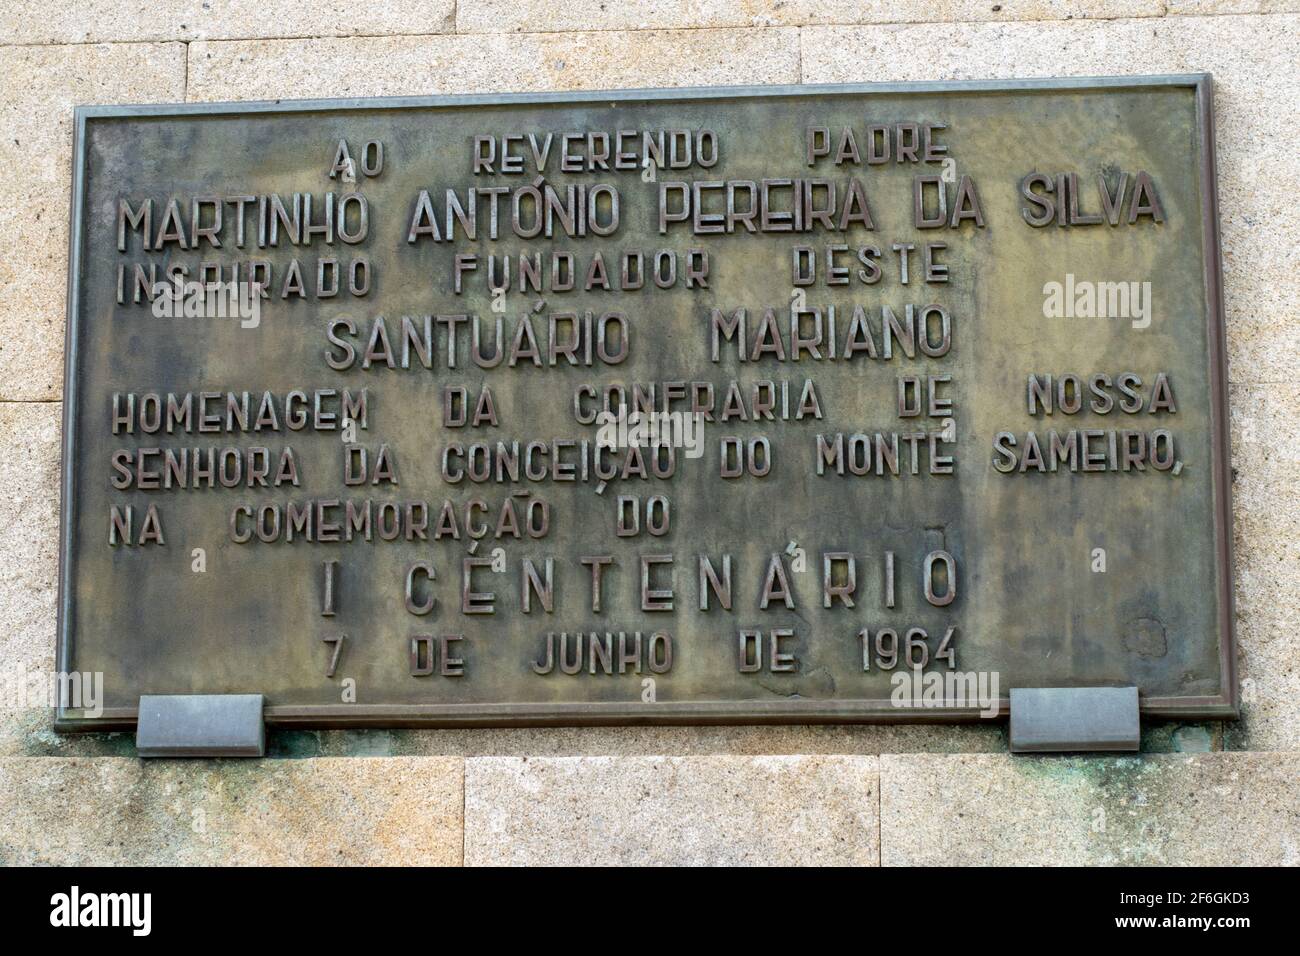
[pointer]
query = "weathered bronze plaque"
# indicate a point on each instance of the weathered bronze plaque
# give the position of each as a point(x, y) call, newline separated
point(787, 405)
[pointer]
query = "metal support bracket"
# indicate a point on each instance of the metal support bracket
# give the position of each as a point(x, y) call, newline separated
point(1047, 719)
point(200, 725)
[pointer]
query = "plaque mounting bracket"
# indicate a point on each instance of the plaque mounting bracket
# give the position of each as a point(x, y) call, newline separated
point(201, 725)
point(1058, 719)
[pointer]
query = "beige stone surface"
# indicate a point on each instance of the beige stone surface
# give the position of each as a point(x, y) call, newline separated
point(535, 16)
point(29, 561)
point(653, 741)
point(39, 86)
point(394, 66)
point(1215, 809)
point(33, 737)
point(1256, 64)
point(107, 810)
point(90, 21)
point(29, 529)
point(1266, 516)
point(671, 811)
point(1175, 8)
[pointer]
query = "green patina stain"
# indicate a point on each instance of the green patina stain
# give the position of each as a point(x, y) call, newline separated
point(1122, 803)
point(38, 739)
point(1167, 737)
point(293, 743)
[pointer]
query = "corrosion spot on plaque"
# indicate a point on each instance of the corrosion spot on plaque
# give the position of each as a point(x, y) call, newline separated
point(1145, 637)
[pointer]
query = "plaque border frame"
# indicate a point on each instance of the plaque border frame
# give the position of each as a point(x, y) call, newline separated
point(751, 712)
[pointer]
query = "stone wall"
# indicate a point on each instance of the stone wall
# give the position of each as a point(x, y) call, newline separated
point(1199, 793)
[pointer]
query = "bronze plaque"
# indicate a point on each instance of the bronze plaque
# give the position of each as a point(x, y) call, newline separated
point(740, 405)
